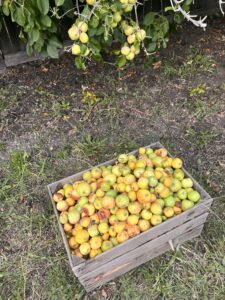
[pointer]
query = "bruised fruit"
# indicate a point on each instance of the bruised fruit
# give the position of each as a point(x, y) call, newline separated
point(57, 197)
point(89, 209)
point(62, 205)
point(85, 221)
point(133, 230)
point(122, 236)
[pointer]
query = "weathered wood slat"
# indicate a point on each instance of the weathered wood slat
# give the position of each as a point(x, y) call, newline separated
point(138, 240)
point(128, 258)
point(152, 253)
point(20, 57)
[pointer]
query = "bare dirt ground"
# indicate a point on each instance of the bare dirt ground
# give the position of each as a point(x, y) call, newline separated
point(56, 120)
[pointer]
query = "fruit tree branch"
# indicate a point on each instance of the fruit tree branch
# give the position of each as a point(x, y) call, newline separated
point(176, 5)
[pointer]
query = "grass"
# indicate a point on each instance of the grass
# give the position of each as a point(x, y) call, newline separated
point(124, 110)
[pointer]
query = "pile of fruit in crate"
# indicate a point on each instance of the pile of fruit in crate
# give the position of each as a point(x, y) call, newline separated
point(116, 202)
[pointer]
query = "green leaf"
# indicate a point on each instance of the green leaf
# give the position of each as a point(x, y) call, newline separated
point(80, 63)
point(19, 17)
point(121, 61)
point(59, 2)
point(29, 49)
point(53, 52)
point(151, 47)
point(54, 41)
point(5, 8)
point(43, 6)
point(66, 7)
point(46, 21)
point(34, 35)
point(149, 18)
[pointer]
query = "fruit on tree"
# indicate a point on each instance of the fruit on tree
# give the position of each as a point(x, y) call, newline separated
point(73, 33)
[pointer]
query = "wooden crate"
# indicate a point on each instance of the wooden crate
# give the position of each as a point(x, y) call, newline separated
point(141, 248)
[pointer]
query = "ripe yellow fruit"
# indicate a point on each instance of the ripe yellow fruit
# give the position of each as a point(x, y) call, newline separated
point(84, 37)
point(130, 56)
point(141, 34)
point(76, 49)
point(125, 50)
point(131, 38)
point(82, 236)
point(91, 2)
point(73, 33)
point(85, 248)
point(83, 26)
point(128, 30)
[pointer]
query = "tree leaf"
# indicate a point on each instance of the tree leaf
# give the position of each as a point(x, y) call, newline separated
point(46, 21)
point(59, 2)
point(43, 6)
point(149, 18)
point(80, 63)
point(53, 52)
point(121, 61)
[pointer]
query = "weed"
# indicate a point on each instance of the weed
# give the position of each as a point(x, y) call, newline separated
point(91, 147)
point(202, 138)
point(60, 108)
point(198, 90)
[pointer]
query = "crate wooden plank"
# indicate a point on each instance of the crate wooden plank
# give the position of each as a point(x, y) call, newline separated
point(20, 57)
point(152, 253)
point(143, 238)
point(128, 258)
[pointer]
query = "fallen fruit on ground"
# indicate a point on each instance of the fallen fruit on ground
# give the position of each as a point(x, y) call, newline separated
point(111, 204)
